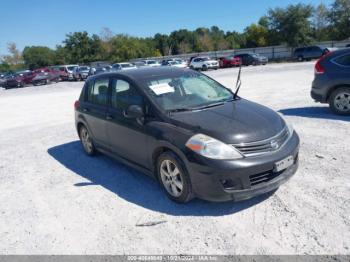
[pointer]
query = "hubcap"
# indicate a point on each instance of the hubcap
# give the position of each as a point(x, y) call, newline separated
point(171, 178)
point(342, 102)
point(86, 140)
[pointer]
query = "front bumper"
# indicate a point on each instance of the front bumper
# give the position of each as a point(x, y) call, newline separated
point(218, 180)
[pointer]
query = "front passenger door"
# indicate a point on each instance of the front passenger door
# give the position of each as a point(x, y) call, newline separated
point(127, 136)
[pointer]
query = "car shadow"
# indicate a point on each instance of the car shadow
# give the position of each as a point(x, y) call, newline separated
point(136, 187)
point(313, 112)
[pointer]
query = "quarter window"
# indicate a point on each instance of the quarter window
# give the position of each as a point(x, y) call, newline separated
point(98, 91)
point(124, 95)
point(343, 60)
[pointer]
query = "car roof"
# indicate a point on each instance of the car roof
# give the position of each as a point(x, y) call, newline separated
point(145, 71)
point(338, 52)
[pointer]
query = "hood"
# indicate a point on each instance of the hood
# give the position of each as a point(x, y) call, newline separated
point(233, 122)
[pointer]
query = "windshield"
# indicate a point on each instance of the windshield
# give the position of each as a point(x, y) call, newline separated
point(83, 68)
point(151, 62)
point(70, 68)
point(188, 91)
point(126, 65)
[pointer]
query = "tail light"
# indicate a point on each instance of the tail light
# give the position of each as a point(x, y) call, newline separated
point(319, 69)
point(76, 104)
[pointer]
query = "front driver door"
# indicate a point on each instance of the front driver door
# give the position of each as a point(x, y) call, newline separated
point(127, 136)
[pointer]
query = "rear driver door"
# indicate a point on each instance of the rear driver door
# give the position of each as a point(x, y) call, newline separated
point(95, 109)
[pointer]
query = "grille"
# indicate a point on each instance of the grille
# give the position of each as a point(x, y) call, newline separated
point(263, 146)
point(263, 177)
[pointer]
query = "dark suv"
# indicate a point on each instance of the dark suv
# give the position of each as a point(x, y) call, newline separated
point(332, 81)
point(188, 131)
point(308, 53)
point(252, 59)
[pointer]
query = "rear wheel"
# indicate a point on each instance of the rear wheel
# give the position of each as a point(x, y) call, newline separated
point(86, 141)
point(339, 101)
point(300, 58)
point(204, 68)
point(174, 178)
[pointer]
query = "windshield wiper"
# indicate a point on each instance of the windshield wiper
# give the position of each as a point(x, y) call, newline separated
point(210, 105)
point(181, 109)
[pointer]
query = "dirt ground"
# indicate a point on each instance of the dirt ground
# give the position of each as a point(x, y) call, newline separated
point(56, 200)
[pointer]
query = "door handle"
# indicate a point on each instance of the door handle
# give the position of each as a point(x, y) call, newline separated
point(109, 117)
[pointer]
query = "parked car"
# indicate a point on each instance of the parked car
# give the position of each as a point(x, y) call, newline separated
point(308, 53)
point(81, 72)
point(123, 66)
point(2, 78)
point(19, 79)
point(69, 70)
point(100, 70)
point(139, 64)
point(61, 70)
point(331, 83)
point(151, 63)
point(172, 62)
point(204, 63)
point(252, 59)
point(192, 134)
point(44, 76)
point(229, 61)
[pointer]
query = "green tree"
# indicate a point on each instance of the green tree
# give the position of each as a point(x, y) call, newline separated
point(256, 35)
point(38, 56)
point(290, 25)
point(339, 17)
point(320, 23)
point(82, 48)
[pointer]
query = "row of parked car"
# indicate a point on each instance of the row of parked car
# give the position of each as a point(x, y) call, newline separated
point(75, 72)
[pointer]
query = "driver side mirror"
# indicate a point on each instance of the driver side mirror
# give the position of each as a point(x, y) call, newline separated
point(134, 111)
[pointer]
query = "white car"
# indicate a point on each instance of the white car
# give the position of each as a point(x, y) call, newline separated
point(151, 63)
point(175, 63)
point(123, 66)
point(70, 70)
point(204, 63)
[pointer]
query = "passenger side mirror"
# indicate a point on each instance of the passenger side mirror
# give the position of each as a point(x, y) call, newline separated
point(134, 111)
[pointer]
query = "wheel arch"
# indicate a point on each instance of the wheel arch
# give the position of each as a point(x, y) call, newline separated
point(331, 90)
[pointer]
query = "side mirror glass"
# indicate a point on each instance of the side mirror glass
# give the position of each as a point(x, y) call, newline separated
point(134, 111)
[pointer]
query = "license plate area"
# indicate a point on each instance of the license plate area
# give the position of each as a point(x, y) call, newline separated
point(283, 164)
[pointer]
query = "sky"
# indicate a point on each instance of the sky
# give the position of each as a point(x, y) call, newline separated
point(46, 23)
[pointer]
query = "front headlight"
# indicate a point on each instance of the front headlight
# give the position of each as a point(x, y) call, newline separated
point(212, 148)
point(289, 125)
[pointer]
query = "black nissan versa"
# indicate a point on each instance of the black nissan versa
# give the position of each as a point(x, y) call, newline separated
point(188, 131)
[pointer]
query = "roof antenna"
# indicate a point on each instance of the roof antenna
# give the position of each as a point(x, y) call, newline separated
point(238, 82)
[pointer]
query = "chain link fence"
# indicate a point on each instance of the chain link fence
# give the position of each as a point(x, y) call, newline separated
point(273, 53)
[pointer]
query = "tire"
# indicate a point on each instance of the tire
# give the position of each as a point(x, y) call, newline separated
point(86, 141)
point(339, 101)
point(191, 67)
point(300, 58)
point(204, 68)
point(47, 81)
point(174, 178)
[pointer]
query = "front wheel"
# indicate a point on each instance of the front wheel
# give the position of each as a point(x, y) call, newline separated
point(204, 68)
point(86, 141)
point(174, 178)
point(339, 101)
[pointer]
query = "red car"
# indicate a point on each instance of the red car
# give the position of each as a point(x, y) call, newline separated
point(45, 76)
point(229, 61)
point(19, 79)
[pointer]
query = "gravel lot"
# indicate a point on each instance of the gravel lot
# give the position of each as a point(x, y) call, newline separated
point(54, 199)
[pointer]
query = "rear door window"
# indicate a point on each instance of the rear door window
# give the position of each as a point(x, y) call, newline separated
point(343, 60)
point(98, 91)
